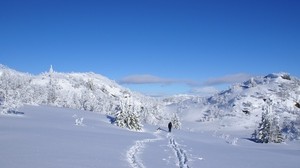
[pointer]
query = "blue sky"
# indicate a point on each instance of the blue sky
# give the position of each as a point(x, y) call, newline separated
point(156, 47)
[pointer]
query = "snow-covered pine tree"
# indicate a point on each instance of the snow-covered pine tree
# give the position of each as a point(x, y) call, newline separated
point(120, 118)
point(175, 121)
point(269, 129)
point(133, 122)
point(127, 117)
point(262, 134)
point(275, 131)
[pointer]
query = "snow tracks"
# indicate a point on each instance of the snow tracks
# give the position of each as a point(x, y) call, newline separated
point(179, 152)
point(136, 150)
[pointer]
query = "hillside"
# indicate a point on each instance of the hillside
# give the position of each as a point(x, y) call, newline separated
point(84, 91)
point(241, 106)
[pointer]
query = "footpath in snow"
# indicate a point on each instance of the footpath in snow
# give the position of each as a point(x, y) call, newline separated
point(133, 154)
point(166, 152)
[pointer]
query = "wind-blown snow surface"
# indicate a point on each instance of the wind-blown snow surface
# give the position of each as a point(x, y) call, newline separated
point(51, 137)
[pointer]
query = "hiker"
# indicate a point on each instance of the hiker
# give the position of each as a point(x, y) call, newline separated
point(170, 126)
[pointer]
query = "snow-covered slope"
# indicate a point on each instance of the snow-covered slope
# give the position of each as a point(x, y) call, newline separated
point(84, 91)
point(51, 137)
point(241, 106)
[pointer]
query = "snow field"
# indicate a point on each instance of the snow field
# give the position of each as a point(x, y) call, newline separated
point(51, 137)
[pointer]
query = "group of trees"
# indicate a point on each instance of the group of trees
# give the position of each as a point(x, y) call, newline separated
point(12, 88)
point(270, 128)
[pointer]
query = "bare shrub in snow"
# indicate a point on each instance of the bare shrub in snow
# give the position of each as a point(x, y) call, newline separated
point(79, 121)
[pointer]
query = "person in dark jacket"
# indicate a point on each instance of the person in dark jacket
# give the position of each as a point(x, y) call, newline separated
point(170, 126)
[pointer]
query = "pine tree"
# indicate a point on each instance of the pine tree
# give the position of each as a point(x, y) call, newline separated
point(269, 128)
point(275, 131)
point(127, 117)
point(261, 135)
point(263, 131)
point(175, 121)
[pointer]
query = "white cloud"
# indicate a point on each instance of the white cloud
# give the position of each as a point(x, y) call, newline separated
point(228, 79)
point(151, 79)
point(145, 79)
point(208, 87)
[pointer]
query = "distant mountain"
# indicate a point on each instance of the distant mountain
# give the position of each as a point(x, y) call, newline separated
point(84, 91)
point(176, 99)
point(242, 106)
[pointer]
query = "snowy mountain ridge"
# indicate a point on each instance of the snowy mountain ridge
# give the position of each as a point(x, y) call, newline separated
point(84, 91)
point(243, 105)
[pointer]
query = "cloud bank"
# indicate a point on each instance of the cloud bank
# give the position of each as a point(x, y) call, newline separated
point(145, 79)
point(228, 79)
point(207, 87)
point(151, 79)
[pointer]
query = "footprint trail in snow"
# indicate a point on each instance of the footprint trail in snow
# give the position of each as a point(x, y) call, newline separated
point(181, 154)
point(136, 150)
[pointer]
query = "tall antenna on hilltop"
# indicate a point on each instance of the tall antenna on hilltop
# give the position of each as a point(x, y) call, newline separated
point(51, 69)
